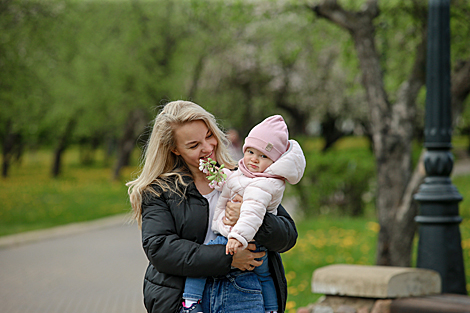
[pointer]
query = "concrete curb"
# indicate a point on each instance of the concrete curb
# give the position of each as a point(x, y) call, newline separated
point(62, 231)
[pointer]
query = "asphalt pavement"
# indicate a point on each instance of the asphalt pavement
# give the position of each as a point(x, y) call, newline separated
point(76, 268)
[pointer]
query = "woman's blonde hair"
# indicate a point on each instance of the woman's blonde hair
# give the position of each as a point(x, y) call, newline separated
point(159, 163)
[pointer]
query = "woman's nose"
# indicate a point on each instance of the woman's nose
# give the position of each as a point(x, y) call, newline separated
point(206, 146)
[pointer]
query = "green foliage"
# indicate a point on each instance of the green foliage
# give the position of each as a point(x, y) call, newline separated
point(338, 181)
point(22, 93)
point(94, 62)
point(463, 186)
point(31, 200)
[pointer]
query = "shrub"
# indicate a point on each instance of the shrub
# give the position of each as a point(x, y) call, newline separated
point(338, 181)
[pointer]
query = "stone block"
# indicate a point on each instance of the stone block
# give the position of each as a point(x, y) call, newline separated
point(381, 306)
point(322, 309)
point(380, 282)
point(363, 310)
point(344, 304)
point(346, 309)
point(448, 303)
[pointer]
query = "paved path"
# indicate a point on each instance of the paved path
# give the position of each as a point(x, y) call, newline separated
point(94, 270)
point(461, 167)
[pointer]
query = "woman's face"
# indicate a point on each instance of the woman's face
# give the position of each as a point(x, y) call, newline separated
point(194, 141)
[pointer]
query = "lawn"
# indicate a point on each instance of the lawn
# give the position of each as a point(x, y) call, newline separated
point(336, 240)
point(31, 200)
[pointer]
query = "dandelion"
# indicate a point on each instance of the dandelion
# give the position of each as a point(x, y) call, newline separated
point(290, 275)
point(375, 227)
point(466, 243)
point(290, 305)
point(292, 290)
point(347, 242)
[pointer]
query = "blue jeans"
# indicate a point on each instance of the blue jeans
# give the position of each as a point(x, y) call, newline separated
point(194, 287)
point(234, 293)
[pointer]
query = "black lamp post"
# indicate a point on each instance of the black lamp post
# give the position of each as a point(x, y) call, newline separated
point(439, 246)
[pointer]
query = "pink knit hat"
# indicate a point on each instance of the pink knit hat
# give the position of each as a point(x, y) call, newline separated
point(271, 137)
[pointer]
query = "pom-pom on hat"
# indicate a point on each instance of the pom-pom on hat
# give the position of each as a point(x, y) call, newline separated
point(270, 137)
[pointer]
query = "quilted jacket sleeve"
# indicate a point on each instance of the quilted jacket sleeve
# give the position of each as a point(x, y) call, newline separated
point(278, 232)
point(173, 255)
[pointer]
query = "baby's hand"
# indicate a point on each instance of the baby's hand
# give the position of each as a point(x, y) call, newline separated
point(232, 246)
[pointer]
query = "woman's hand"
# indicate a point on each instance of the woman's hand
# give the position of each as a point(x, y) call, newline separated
point(245, 259)
point(232, 210)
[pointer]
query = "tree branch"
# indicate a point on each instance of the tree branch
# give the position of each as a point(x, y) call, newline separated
point(331, 10)
point(361, 27)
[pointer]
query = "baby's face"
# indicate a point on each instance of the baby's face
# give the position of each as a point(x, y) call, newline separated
point(256, 161)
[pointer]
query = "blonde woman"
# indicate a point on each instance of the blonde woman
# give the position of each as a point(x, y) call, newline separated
point(173, 203)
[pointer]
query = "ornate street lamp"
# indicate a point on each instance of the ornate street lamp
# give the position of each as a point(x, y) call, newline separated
point(439, 246)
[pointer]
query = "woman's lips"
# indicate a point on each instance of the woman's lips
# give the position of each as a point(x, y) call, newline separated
point(207, 157)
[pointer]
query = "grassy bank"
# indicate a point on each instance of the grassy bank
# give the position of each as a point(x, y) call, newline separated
point(30, 199)
point(326, 240)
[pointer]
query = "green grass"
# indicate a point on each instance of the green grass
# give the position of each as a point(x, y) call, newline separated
point(323, 241)
point(338, 240)
point(30, 199)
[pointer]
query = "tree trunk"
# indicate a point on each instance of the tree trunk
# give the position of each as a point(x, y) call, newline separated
point(460, 89)
point(329, 131)
point(7, 148)
point(300, 118)
point(135, 121)
point(62, 145)
point(391, 128)
point(12, 148)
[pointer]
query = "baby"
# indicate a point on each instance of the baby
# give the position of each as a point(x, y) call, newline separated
point(269, 160)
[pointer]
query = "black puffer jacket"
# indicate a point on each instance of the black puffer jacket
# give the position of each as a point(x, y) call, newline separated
point(173, 230)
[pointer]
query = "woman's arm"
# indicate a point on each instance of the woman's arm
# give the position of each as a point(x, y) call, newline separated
point(278, 232)
point(171, 254)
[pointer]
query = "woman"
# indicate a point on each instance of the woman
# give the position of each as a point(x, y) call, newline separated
point(173, 203)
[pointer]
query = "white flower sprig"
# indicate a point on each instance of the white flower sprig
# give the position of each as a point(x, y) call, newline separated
point(215, 174)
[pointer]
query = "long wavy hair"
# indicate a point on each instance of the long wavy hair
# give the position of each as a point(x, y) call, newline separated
point(163, 168)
